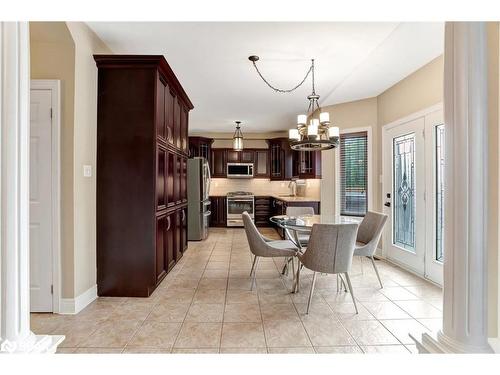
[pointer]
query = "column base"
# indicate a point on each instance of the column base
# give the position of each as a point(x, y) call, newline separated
point(443, 344)
point(34, 344)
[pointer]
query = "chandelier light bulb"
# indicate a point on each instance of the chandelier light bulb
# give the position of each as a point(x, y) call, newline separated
point(312, 129)
point(324, 118)
point(301, 119)
point(334, 132)
point(293, 134)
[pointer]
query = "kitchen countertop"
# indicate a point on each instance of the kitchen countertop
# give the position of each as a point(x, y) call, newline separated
point(281, 198)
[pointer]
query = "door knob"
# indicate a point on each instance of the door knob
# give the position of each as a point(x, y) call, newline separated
point(387, 204)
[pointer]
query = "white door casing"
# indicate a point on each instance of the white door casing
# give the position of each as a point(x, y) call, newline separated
point(41, 273)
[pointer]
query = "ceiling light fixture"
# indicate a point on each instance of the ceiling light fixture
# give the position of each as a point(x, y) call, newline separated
point(238, 138)
point(318, 134)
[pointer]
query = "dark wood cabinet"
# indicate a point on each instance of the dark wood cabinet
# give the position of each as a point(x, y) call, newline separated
point(142, 149)
point(218, 207)
point(218, 162)
point(263, 211)
point(200, 147)
point(307, 164)
point(247, 156)
point(233, 156)
point(280, 159)
point(261, 163)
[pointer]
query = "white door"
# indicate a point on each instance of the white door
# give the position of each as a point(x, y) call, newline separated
point(413, 194)
point(404, 186)
point(41, 201)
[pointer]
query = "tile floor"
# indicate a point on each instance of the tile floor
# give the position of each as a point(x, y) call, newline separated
point(205, 305)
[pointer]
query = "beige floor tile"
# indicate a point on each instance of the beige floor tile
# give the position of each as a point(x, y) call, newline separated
point(282, 311)
point(370, 332)
point(111, 335)
point(403, 327)
point(244, 335)
point(389, 349)
point(317, 311)
point(61, 350)
point(218, 265)
point(285, 334)
point(274, 296)
point(243, 350)
point(155, 335)
point(420, 309)
point(242, 313)
point(346, 312)
point(195, 351)
point(125, 312)
point(205, 313)
point(75, 331)
point(433, 325)
point(212, 284)
point(209, 296)
point(327, 333)
point(386, 310)
point(138, 350)
point(215, 274)
point(353, 349)
point(176, 296)
point(42, 323)
point(184, 283)
point(398, 293)
point(199, 335)
point(426, 291)
point(272, 284)
point(239, 284)
point(241, 296)
point(298, 350)
point(98, 350)
point(169, 312)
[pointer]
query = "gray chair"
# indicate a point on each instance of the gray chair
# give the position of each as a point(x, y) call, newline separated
point(369, 233)
point(302, 236)
point(330, 250)
point(261, 246)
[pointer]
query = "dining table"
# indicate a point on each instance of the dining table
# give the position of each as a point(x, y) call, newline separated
point(298, 227)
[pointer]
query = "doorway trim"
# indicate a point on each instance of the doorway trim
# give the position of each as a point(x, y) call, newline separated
point(385, 154)
point(55, 88)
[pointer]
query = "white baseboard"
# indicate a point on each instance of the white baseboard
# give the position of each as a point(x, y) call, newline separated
point(73, 306)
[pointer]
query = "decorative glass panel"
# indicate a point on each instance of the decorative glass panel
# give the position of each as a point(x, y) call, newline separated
point(439, 191)
point(404, 192)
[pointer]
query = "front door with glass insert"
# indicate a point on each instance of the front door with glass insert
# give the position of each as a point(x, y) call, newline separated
point(413, 158)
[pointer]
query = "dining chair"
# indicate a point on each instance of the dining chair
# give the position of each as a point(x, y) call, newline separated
point(330, 250)
point(303, 235)
point(261, 246)
point(369, 233)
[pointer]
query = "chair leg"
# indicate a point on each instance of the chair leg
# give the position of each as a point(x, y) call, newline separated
point(350, 290)
point(254, 273)
point(293, 268)
point(253, 264)
point(297, 278)
point(311, 292)
point(376, 271)
point(285, 267)
point(342, 283)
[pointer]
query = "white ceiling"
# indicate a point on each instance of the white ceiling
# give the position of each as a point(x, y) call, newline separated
point(353, 61)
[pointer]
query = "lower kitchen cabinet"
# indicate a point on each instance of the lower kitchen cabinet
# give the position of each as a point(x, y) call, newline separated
point(263, 211)
point(218, 207)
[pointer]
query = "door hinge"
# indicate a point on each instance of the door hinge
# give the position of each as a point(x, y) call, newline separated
point(52, 289)
point(423, 133)
point(51, 113)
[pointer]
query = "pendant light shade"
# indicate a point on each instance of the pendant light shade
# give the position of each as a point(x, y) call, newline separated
point(238, 138)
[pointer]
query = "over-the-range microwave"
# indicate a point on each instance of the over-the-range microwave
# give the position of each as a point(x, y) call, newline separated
point(239, 170)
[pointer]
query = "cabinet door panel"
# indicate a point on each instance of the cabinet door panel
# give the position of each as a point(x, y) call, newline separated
point(170, 241)
point(183, 179)
point(161, 173)
point(169, 115)
point(218, 162)
point(178, 239)
point(247, 156)
point(160, 247)
point(177, 179)
point(184, 221)
point(233, 156)
point(261, 166)
point(171, 164)
point(160, 110)
point(177, 123)
point(184, 130)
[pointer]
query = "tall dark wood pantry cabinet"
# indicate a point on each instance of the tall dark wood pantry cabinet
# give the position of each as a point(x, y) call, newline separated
point(142, 150)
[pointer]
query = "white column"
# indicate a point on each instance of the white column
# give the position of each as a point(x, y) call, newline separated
point(466, 157)
point(15, 334)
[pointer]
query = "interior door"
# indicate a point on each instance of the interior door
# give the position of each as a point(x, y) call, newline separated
point(41, 201)
point(404, 189)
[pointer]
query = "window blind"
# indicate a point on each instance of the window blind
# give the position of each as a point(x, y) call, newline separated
point(354, 174)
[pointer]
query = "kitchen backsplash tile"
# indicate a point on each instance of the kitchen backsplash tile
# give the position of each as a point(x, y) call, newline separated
point(261, 186)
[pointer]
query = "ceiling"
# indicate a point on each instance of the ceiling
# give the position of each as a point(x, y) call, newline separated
point(353, 61)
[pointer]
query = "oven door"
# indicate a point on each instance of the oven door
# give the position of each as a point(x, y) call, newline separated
point(236, 207)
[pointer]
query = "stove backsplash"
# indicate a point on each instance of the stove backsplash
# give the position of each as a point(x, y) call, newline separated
point(260, 186)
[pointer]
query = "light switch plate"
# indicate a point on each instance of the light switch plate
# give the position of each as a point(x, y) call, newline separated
point(87, 171)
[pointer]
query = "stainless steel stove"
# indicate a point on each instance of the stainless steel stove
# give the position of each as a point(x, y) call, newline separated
point(237, 203)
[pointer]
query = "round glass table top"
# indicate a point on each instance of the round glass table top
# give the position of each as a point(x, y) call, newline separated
point(307, 221)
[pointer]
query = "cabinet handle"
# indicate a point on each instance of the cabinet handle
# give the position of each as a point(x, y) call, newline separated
point(183, 215)
point(168, 134)
point(168, 221)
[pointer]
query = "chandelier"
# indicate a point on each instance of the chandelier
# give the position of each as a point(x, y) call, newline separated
point(315, 135)
point(238, 138)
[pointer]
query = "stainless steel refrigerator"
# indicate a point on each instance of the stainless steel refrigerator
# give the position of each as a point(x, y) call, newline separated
point(198, 184)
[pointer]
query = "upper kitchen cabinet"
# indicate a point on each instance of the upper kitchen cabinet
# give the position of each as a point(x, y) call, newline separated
point(142, 148)
point(218, 162)
point(306, 164)
point(200, 147)
point(243, 156)
point(281, 159)
point(261, 163)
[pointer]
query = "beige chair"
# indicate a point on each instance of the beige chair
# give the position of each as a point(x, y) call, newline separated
point(369, 233)
point(261, 246)
point(330, 250)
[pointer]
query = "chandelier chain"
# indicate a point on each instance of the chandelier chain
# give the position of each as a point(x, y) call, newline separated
point(311, 69)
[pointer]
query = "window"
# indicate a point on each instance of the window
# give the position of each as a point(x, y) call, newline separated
point(439, 159)
point(354, 174)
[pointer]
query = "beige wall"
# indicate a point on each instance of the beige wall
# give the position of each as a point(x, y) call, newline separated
point(53, 57)
point(84, 152)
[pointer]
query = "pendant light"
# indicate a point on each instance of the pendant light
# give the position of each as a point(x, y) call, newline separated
point(238, 138)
